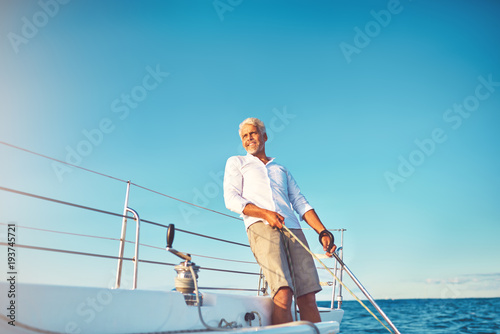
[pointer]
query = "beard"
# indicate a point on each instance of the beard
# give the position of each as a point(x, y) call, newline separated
point(253, 149)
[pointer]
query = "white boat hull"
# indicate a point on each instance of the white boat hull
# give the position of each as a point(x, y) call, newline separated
point(65, 309)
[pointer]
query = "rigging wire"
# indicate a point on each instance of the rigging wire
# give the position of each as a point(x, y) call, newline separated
point(180, 200)
point(127, 241)
point(122, 258)
point(117, 179)
point(137, 185)
point(73, 252)
point(60, 161)
point(113, 214)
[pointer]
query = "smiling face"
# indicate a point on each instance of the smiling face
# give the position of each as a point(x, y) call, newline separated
point(253, 141)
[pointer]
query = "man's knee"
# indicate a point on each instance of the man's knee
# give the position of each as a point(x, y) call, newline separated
point(309, 298)
point(283, 297)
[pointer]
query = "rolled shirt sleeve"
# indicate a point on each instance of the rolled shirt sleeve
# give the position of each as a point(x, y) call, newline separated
point(298, 201)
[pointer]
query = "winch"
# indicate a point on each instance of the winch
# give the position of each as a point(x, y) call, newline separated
point(184, 282)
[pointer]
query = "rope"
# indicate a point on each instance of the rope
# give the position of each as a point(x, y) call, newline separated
point(198, 304)
point(342, 283)
point(284, 241)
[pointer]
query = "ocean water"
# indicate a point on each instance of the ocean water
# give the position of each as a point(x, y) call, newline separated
point(431, 316)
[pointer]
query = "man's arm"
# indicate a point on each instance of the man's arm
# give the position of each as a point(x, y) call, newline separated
point(233, 186)
point(313, 220)
point(273, 218)
point(301, 205)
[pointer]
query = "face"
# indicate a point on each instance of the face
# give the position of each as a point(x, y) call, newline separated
point(252, 140)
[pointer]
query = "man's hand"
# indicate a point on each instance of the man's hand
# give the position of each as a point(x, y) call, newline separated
point(313, 220)
point(325, 241)
point(275, 219)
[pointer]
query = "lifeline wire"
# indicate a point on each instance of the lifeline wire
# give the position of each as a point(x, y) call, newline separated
point(328, 269)
point(113, 214)
point(114, 178)
point(127, 241)
point(60, 161)
point(180, 200)
point(123, 258)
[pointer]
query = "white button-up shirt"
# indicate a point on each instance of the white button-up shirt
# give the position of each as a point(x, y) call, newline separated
point(269, 186)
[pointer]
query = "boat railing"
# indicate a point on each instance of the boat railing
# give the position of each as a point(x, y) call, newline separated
point(340, 266)
point(136, 259)
point(121, 256)
point(261, 289)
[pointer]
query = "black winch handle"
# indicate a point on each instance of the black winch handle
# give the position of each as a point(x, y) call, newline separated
point(170, 235)
point(170, 240)
point(332, 239)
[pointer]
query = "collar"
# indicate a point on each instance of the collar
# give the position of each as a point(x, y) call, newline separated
point(271, 159)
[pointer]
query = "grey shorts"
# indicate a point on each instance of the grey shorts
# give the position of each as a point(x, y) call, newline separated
point(271, 255)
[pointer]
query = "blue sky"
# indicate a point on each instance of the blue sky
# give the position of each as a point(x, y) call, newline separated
point(386, 113)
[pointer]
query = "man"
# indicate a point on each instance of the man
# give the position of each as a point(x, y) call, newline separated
point(266, 195)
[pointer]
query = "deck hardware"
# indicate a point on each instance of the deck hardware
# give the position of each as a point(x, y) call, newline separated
point(184, 282)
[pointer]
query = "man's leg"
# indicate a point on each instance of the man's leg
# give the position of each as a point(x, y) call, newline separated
point(269, 252)
point(308, 308)
point(282, 306)
point(306, 279)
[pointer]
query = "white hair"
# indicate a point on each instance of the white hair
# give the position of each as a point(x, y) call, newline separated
point(255, 122)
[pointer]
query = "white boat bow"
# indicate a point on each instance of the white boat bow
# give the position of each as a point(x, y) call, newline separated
point(68, 309)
